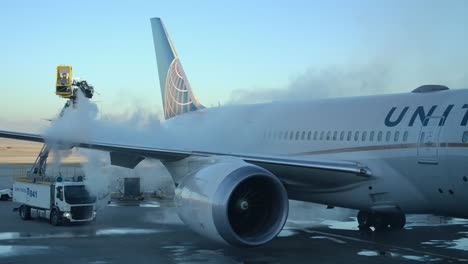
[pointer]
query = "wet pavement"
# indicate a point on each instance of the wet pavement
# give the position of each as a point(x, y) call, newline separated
point(150, 232)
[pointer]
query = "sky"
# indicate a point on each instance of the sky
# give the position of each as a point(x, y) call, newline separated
point(232, 51)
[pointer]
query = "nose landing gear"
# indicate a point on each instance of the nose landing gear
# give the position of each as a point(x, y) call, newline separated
point(380, 221)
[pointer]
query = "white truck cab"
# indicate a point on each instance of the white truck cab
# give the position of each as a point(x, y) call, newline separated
point(57, 199)
point(6, 194)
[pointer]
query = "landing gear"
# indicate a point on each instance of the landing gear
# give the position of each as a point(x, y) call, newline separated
point(380, 221)
point(363, 219)
point(397, 221)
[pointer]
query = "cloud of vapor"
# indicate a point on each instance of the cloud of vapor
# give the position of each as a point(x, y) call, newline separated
point(366, 79)
point(395, 61)
point(75, 124)
point(83, 123)
point(381, 74)
point(98, 178)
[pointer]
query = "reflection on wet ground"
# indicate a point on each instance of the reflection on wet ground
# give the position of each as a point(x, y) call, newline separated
point(294, 227)
point(81, 234)
point(430, 220)
point(189, 254)
point(125, 231)
point(460, 244)
point(8, 251)
point(150, 231)
point(329, 238)
point(422, 258)
point(150, 204)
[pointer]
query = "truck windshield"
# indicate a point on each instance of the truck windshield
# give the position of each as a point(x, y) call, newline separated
point(78, 195)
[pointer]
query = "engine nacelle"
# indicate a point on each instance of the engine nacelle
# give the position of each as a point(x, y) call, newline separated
point(233, 202)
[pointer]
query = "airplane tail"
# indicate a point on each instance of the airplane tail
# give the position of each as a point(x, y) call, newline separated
point(177, 95)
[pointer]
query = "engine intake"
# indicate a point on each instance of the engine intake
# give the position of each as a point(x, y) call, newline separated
point(235, 202)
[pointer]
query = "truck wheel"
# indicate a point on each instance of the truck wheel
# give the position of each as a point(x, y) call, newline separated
point(25, 212)
point(55, 218)
point(4, 197)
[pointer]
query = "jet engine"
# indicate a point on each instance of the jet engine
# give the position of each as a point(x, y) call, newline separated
point(234, 202)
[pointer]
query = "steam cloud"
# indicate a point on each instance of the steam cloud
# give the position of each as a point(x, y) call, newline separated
point(366, 79)
point(396, 62)
point(81, 124)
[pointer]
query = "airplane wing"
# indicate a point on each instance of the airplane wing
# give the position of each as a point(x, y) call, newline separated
point(315, 174)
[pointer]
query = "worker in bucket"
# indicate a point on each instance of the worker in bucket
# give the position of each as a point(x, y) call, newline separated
point(63, 80)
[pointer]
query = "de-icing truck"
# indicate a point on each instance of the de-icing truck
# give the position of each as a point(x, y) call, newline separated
point(57, 199)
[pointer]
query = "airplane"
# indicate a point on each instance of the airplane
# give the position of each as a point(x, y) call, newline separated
point(236, 167)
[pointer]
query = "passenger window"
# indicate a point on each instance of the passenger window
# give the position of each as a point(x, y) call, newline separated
point(291, 135)
point(379, 136)
point(465, 137)
point(349, 136)
point(303, 135)
point(315, 135)
point(285, 135)
point(297, 135)
point(328, 135)
point(342, 136)
point(364, 136)
point(371, 136)
point(356, 136)
point(309, 135)
point(397, 136)
point(405, 136)
point(321, 135)
point(388, 136)
point(335, 135)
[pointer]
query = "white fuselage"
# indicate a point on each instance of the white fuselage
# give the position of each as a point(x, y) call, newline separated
point(416, 151)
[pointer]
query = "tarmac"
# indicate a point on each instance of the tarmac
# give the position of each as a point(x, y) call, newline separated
point(151, 232)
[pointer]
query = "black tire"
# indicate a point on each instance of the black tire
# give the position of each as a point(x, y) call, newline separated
point(55, 218)
point(397, 221)
point(5, 197)
point(363, 218)
point(25, 212)
point(380, 221)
